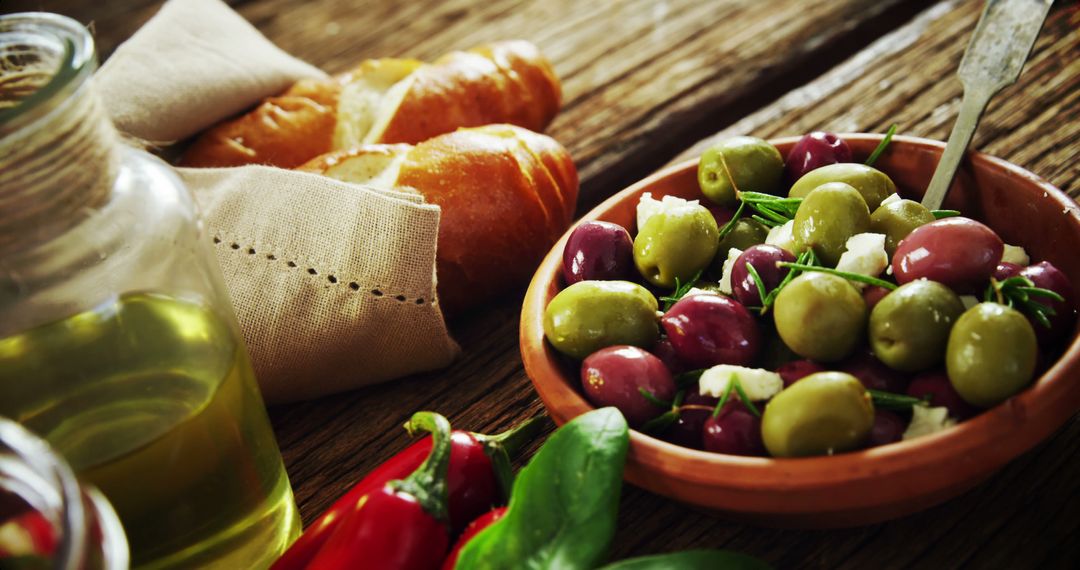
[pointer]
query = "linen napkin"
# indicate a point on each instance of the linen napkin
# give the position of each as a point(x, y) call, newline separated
point(333, 283)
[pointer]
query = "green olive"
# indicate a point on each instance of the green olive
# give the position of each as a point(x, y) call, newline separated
point(898, 219)
point(827, 217)
point(745, 233)
point(822, 414)
point(745, 164)
point(820, 316)
point(991, 354)
point(676, 243)
point(872, 184)
point(590, 315)
point(909, 327)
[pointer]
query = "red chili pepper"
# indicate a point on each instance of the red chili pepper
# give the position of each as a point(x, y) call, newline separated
point(485, 520)
point(403, 525)
point(473, 481)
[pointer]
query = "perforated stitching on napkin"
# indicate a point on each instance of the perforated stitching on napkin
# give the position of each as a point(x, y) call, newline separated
point(331, 278)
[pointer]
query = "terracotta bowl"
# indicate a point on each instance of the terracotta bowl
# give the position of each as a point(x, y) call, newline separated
point(867, 486)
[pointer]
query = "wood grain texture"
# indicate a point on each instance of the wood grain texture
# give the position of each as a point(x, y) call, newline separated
point(643, 82)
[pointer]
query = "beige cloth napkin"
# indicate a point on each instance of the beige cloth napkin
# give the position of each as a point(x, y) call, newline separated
point(333, 283)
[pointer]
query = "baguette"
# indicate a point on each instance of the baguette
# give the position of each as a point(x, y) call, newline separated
point(506, 194)
point(387, 101)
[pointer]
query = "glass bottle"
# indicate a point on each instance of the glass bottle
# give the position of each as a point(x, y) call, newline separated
point(49, 519)
point(118, 344)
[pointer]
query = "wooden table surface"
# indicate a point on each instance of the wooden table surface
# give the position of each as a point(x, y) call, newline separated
point(648, 83)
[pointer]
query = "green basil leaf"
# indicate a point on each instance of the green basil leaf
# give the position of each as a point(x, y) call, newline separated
point(563, 507)
point(691, 560)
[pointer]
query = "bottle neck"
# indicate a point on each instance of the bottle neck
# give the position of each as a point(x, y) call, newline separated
point(58, 149)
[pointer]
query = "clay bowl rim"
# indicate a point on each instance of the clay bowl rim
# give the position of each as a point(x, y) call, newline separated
point(1051, 397)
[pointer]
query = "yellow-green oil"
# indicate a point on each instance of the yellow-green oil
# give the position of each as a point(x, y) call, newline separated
point(152, 399)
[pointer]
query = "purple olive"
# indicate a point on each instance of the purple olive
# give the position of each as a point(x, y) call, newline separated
point(707, 330)
point(873, 373)
point(616, 375)
point(598, 251)
point(797, 370)
point(1045, 276)
point(734, 431)
point(689, 428)
point(1005, 270)
point(957, 252)
point(813, 151)
point(872, 294)
point(666, 353)
point(941, 392)
point(888, 428)
point(764, 258)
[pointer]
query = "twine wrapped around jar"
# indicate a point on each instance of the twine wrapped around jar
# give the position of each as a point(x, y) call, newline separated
point(56, 163)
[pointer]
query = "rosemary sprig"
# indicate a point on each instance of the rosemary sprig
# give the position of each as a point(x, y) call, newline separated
point(882, 145)
point(733, 384)
point(660, 423)
point(681, 289)
point(1017, 292)
point(939, 214)
point(758, 281)
point(845, 274)
point(730, 225)
point(771, 210)
point(895, 402)
point(805, 258)
point(652, 398)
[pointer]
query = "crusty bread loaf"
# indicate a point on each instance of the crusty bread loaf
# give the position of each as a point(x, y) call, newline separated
point(506, 193)
point(388, 101)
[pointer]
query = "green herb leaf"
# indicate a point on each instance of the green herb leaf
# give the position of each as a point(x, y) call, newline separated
point(730, 225)
point(652, 398)
point(884, 144)
point(681, 289)
point(1017, 292)
point(564, 504)
point(895, 402)
point(745, 399)
point(758, 282)
point(845, 274)
point(661, 423)
point(939, 214)
point(691, 560)
point(724, 397)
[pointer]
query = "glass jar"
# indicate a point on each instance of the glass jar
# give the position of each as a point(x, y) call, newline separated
point(118, 344)
point(47, 518)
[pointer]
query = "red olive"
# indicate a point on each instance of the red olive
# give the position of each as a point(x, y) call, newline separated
point(1045, 276)
point(888, 428)
point(1005, 270)
point(958, 252)
point(616, 376)
point(734, 431)
point(707, 330)
point(813, 151)
point(764, 258)
point(873, 373)
point(941, 392)
point(872, 294)
point(598, 250)
point(797, 370)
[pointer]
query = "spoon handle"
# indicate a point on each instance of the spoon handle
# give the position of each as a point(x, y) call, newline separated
point(994, 58)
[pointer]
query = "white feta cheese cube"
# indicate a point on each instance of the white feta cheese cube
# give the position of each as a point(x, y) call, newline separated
point(926, 420)
point(759, 384)
point(699, 291)
point(865, 255)
point(894, 197)
point(1015, 254)
point(729, 264)
point(782, 237)
point(648, 206)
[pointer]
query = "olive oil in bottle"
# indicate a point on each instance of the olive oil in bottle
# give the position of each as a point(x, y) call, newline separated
point(152, 400)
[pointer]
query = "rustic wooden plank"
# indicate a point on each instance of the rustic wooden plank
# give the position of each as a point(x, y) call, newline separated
point(640, 78)
point(1034, 123)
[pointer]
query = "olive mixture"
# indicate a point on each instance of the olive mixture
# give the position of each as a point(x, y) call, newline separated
point(836, 317)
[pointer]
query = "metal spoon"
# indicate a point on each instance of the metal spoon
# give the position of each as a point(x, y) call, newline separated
point(999, 47)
